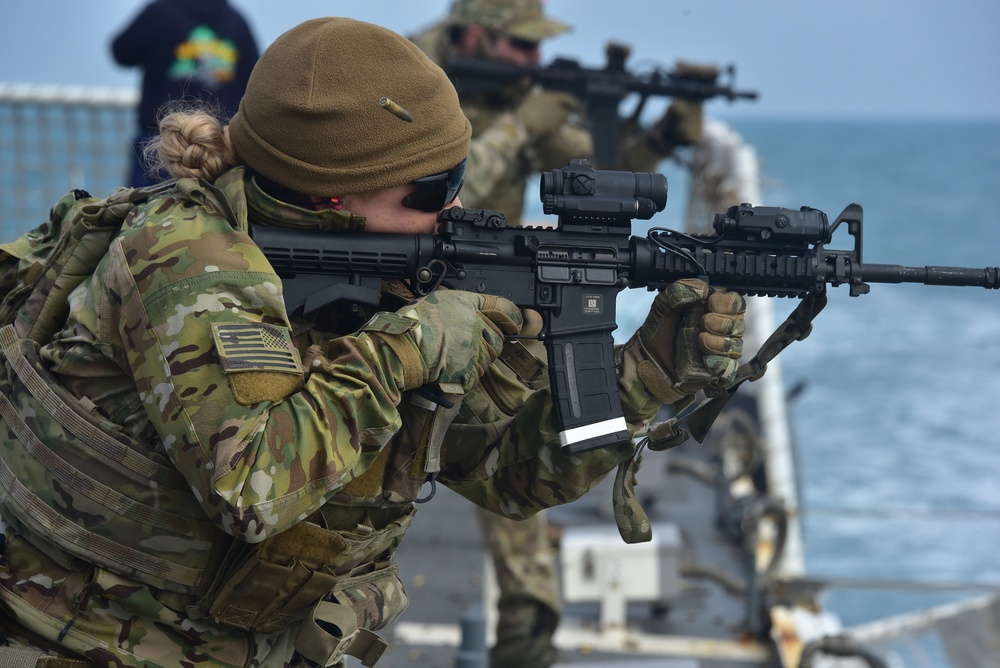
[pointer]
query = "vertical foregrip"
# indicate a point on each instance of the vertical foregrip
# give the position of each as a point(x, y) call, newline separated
point(585, 392)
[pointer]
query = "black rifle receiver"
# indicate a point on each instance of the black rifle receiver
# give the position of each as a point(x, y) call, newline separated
point(572, 273)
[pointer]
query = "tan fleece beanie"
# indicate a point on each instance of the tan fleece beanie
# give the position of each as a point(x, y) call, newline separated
point(314, 118)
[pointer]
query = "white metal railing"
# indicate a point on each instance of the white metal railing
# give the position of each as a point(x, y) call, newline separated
point(54, 138)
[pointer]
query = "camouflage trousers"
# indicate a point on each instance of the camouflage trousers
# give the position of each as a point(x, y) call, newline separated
point(111, 621)
point(529, 602)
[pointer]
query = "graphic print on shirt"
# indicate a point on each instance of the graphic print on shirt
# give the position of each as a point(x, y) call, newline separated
point(205, 58)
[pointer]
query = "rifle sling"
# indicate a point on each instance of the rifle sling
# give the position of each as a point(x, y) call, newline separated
point(796, 327)
point(633, 525)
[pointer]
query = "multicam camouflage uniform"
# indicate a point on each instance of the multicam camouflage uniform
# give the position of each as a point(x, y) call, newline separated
point(501, 160)
point(184, 471)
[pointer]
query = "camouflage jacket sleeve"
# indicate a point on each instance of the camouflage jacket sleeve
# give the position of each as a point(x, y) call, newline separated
point(191, 306)
point(495, 155)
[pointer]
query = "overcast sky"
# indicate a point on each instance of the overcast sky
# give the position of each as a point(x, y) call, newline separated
point(856, 58)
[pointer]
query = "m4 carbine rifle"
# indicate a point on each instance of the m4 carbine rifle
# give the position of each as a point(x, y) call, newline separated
point(600, 90)
point(572, 273)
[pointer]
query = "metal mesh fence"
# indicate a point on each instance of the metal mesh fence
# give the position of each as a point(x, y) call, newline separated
point(54, 138)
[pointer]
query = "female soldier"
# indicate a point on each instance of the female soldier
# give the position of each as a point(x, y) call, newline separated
point(190, 475)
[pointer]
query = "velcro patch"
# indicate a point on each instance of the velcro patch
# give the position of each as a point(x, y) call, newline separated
point(255, 346)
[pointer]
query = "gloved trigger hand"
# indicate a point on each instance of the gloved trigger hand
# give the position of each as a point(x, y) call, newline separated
point(449, 336)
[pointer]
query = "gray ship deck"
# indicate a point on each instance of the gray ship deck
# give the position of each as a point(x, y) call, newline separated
point(705, 626)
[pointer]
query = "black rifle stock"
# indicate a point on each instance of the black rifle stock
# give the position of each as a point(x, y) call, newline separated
point(600, 90)
point(572, 273)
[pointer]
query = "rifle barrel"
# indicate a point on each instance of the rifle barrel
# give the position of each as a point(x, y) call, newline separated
point(959, 276)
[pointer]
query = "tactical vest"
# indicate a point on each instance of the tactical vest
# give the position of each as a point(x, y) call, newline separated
point(68, 475)
point(72, 479)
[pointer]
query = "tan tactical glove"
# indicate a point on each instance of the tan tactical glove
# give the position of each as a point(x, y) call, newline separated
point(544, 112)
point(705, 72)
point(692, 338)
point(681, 125)
point(449, 336)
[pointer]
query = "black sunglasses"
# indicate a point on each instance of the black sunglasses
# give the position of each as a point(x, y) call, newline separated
point(436, 191)
point(523, 44)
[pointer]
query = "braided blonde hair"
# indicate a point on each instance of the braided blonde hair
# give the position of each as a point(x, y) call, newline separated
point(192, 142)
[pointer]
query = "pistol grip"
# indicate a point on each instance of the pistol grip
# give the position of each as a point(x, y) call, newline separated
point(585, 392)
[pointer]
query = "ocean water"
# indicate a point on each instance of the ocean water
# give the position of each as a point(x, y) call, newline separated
point(900, 410)
point(898, 426)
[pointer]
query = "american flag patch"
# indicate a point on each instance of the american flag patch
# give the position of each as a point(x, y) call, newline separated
point(254, 346)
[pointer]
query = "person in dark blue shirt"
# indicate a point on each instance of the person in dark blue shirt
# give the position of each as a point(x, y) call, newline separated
point(187, 49)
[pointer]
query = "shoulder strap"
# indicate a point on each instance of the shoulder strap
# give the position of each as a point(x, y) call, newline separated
point(45, 265)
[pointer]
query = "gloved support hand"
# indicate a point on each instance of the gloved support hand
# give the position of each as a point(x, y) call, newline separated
point(692, 338)
point(681, 125)
point(544, 112)
point(449, 336)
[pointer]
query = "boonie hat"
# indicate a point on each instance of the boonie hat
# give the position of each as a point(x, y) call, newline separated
point(522, 19)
